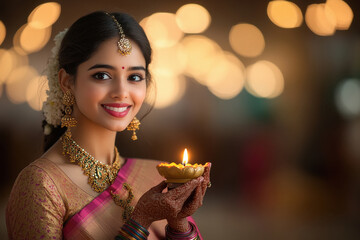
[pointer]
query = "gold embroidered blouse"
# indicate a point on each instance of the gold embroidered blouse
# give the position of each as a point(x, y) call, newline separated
point(42, 199)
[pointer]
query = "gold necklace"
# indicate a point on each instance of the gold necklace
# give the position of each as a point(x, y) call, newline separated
point(100, 175)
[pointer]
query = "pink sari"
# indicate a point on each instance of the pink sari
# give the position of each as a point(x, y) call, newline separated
point(102, 218)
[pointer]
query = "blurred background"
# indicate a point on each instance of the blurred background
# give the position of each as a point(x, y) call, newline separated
point(268, 91)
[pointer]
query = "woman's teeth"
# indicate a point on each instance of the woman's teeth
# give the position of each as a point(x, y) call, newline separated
point(115, 109)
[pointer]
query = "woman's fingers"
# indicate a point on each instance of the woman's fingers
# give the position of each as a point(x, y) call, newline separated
point(159, 188)
point(205, 184)
point(192, 203)
point(181, 193)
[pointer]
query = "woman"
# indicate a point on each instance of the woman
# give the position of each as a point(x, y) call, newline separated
point(81, 188)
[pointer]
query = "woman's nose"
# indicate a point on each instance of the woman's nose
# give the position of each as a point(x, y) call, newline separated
point(120, 89)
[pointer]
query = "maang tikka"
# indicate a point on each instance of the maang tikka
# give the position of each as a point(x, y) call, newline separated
point(133, 126)
point(124, 44)
point(67, 120)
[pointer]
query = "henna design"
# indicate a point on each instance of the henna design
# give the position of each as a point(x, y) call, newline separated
point(195, 201)
point(174, 205)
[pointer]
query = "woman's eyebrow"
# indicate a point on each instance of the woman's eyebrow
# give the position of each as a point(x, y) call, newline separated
point(102, 66)
point(134, 68)
point(137, 68)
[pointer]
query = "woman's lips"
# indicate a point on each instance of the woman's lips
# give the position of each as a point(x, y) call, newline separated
point(118, 110)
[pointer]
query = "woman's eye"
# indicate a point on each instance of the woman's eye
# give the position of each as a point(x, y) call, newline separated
point(135, 78)
point(101, 76)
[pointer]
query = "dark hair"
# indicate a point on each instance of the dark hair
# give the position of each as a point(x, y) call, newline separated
point(84, 37)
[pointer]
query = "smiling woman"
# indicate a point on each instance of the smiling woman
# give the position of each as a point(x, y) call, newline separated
point(81, 187)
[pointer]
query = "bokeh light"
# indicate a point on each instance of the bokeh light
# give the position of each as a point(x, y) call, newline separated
point(143, 22)
point(18, 59)
point(169, 88)
point(16, 41)
point(1, 89)
point(202, 55)
point(347, 98)
point(172, 58)
point(44, 15)
point(343, 13)
point(284, 14)
point(2, 32)
point(226, 79)
point(193, 18)
point(246, 40)
point(33, 39)
point(162, 30)
point(320, 19)
point(6, 64)
point(264, 79)
point(10, 60)
point(36, 92)
point(17, 83)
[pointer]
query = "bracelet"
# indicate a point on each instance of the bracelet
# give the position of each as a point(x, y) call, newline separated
point(191, 234)
point(132, 230)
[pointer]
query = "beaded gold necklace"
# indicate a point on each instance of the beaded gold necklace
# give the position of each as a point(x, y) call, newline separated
point(100, 175)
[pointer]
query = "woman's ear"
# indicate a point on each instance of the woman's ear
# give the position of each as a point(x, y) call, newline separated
point(65, 80)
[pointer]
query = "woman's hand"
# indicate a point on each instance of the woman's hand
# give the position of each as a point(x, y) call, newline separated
point(190, 206)
point(174, 205)
point(155, 205)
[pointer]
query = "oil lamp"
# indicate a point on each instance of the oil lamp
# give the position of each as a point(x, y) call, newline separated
point(177, 174)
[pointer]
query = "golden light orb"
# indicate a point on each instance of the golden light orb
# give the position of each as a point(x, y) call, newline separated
point(10, 60)
point(264, 79)
point(202, 54)
point(193, 18)
point(36, 92)
point(44, 15)
point(2, 32)
point(172, 58)
point(17, 83)
point(343, 13)
point(143, 22)
point(16, 41)
point(284, 14)
point(34, 39)
point(6, 64)
point(169, 88)
point(162, 30)
point(246, 40)
point(226, 79)
point(320, 19)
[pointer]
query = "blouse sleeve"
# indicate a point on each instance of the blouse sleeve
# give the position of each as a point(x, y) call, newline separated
point(35, 209)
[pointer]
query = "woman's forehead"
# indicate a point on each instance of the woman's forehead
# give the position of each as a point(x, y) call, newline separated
point(107, 53)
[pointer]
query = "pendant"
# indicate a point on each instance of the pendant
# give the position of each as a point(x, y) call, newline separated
point(124, 203)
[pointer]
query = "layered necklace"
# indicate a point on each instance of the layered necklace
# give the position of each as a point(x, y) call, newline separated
point(100, 175)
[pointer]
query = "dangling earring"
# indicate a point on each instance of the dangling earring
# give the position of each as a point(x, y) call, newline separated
point(133, 126)
point(67, 120)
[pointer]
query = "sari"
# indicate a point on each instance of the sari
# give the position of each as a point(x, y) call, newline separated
point(46, 204)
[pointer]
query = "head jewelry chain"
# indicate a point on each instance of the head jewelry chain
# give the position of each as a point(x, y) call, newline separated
point(124, 44)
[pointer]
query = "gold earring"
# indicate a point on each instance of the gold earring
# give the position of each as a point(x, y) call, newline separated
point(133, 126)
point(67, 120)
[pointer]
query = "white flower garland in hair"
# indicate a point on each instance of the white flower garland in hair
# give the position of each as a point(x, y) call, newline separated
point(53, 107)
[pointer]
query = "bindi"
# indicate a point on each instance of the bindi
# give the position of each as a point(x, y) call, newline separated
point(123, 67)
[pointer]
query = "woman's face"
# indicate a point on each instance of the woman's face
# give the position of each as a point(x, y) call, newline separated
point(110, 88)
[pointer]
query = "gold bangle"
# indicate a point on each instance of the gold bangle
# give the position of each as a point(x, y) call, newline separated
point(126, 235)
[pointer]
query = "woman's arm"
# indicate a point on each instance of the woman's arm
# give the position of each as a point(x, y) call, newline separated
point(35, 208)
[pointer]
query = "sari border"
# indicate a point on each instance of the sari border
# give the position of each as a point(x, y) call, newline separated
point(99, 200)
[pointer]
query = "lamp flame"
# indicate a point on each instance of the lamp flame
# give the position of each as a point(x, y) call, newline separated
point(185, 157)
